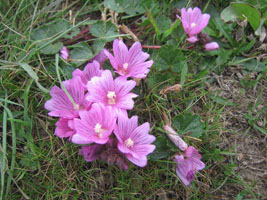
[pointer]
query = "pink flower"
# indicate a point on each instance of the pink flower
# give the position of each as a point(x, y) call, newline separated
point(61, 106)
point(64, 128)
point(133, 140)
point(114, 93)
point(211, 46)
point(129, 63)
point(91, 69)
point(193, 22)
point(95, 125)
point(175, 138)
point(101, 57)
point(91, 152)
point(188, 164)
point(64, 53)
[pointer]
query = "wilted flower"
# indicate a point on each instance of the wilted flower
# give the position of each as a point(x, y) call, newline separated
point(95, 125)
point(64, 53)
point(114, 93)
point(113, 156)
point(133, 140)
point(193, 22)
point(188, 164)
point(90, 70)
point(91, 152)
point(211, 46)
point(61, 106)
point(129, 63)
point(175, 138)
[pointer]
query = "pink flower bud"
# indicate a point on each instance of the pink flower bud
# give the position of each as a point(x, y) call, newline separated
point(192, 39)
point(211, 46)
point(175, 138)
point(64, 53)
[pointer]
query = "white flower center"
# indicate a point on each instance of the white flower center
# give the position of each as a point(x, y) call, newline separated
point(193, 25)
point(125, 66)
point(98, 130)
point(129, 142)
point(111, 97)
point(77, 107)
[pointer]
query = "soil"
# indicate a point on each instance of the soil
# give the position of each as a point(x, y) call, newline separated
point(247, 144)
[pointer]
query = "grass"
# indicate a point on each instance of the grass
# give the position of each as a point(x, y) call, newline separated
point(35, 164)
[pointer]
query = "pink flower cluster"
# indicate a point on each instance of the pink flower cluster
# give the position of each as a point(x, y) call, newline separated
point(94, 114)
point(194, 22)
point(188, 163)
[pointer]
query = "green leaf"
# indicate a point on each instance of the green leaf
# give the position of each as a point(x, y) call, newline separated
point(113, 5)
point(169, 57)
point(262, 130)
point(157, 79)
point(162, 149)
point(47, 32)
point(106, 31)
point(184, 73)
point(228, 14)
point(33, 75)
point(188, 124)
point(223, 101)
point(52, 48)
point(250, 12)
point(152, 21)
point(162, 23)
point(98, 46)
point(254, 65)
point(81, 53)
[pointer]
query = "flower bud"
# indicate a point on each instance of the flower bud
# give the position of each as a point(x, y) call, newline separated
point(211, 46)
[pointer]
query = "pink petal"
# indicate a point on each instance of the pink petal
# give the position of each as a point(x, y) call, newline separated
point(120, 51)
point(136, 161)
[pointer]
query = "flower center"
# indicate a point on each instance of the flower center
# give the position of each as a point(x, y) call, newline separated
point(190, 175)
point(129, 142)
point(77, 107)
point(98, 130)
point(193, 25)
point(111, 97)
point(125, 66)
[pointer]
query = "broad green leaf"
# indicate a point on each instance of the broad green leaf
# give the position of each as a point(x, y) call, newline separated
point(163, 23)
point(169, 57)
point(80, 53)
point(244, 10)
point(128, 6)
point(113, 5)
point(250, 64)
point(107, 31)
point(188, 124)
point(52, 48)
point(162, 149)
point(228, 14)
point(47, 32)
point(98, 46)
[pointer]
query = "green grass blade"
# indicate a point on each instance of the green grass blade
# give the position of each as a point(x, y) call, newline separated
point(3, 162)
